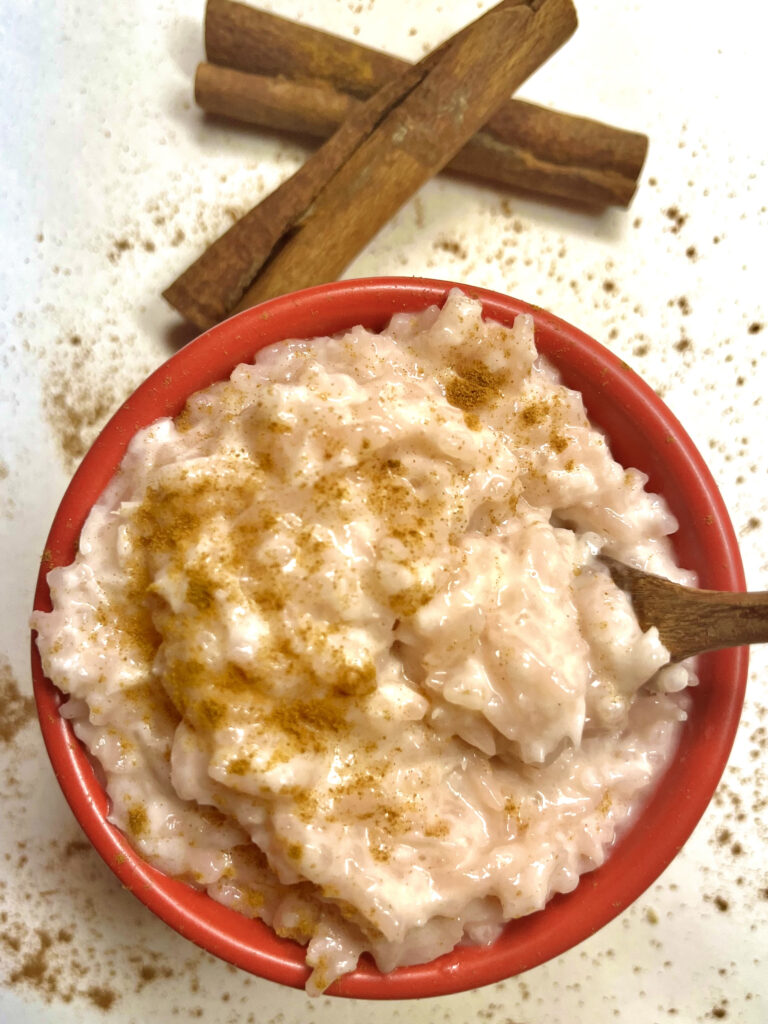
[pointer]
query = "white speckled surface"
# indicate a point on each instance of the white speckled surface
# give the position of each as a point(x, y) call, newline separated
point(111, 181)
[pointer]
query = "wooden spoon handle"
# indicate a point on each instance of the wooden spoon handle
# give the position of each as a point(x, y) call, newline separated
point(692, 621)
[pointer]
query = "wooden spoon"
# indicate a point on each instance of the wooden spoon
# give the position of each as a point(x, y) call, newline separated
point(692, 621)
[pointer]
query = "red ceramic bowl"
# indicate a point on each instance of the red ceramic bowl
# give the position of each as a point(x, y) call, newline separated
point(642, 433)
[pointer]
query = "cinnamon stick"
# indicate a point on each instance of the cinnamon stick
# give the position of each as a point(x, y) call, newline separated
point(310, 228)
point(245, 38)
point(522, 145)
point(517, 147)
point(310, 107)
point(209, 290)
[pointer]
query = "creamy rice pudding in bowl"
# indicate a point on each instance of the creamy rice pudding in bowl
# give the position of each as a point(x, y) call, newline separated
point(357, 705)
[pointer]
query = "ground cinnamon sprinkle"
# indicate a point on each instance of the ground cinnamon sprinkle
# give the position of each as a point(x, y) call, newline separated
point(407, 602)
point(54, 945)
point(138, 820)
point(75, 402)
point(239, 766)
point(380, 852)
point(534, 413)
point(199, 591)
point(309, 724)
point(211, 711)
point(34, 967)
point(101, 997)
point(472, 386)
point(558, 442)
point(16, 710)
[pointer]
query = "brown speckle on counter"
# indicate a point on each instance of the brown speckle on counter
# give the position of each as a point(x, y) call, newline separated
point(34, 966)
point(119, 246)
point(75, 412)
point(16, 710)
point(451, 246)
point(84, 377)
point(101, 997)
point(147, 973)
point(678, 219)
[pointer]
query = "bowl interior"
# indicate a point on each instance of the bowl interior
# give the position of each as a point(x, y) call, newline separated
point(642, 433)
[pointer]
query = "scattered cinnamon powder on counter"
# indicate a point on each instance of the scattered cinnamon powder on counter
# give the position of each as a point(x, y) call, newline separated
point(451, 246)
point(678, 219)
point(34, 966)
point(74, 407)
point(147, 973)
point(16, 710)
point(75, 846)
point(119, 246)
point(101, 997)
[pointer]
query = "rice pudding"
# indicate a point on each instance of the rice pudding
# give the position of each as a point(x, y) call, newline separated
point(338, 637)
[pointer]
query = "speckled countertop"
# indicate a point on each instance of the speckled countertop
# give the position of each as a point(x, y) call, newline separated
point(112, 181)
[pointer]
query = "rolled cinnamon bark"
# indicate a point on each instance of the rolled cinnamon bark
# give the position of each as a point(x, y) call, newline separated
point(311, 107)
point(522, 145)
point(516, 147)
point(311, 227)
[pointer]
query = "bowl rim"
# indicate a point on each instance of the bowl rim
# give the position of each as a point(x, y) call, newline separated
point(250, 944)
